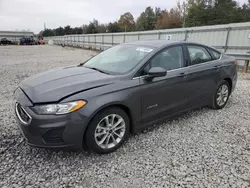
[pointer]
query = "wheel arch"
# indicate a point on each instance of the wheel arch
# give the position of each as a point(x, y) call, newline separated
point(230, 82)
point(123, 107)
point(111, 105)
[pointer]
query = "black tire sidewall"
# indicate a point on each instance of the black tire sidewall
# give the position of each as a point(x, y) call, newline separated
point(215, 105)
point(90, 133)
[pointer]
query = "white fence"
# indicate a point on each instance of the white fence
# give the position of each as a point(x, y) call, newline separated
point(230, 38)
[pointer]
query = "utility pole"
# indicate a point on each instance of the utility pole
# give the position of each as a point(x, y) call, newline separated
point(82, 28)
point(44, 26)
point(184, 14)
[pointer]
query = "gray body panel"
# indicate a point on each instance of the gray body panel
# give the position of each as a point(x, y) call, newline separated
point(52, 86)
point(146, 101)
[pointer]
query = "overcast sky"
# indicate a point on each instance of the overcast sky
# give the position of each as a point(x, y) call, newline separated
point(32, 14)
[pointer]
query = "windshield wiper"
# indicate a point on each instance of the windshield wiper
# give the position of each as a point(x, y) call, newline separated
point(81, 64)
point(99, 70)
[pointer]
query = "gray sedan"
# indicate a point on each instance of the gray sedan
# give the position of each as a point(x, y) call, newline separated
point(122, 90)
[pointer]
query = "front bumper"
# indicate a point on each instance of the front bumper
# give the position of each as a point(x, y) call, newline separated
point(51, 131)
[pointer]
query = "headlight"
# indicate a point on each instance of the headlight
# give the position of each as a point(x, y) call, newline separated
point(57, 109)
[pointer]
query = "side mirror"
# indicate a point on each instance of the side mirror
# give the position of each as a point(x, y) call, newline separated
point(156, 72)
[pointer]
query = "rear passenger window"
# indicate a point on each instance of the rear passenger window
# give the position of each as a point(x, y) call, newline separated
point(215, 54)
point(198, 55)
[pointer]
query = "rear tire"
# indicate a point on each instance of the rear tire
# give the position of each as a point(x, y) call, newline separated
point(108, 130)
point(221, 95)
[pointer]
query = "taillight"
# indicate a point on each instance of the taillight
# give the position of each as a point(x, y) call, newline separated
point(236, 63)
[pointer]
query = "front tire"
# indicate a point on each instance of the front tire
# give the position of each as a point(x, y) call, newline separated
point(221, 95)
point(108, 130)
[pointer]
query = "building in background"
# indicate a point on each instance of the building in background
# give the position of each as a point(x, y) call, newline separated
point(15, 36)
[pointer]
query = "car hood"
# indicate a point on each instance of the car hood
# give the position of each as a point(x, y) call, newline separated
point(57, 84)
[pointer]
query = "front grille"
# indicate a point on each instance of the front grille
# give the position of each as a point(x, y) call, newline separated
point(54, 136)
point(22, 115)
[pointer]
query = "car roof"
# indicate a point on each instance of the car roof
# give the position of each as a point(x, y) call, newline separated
point(163, 43)
point(155, 43)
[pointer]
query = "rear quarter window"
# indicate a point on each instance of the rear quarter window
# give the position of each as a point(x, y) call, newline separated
point(216, 55)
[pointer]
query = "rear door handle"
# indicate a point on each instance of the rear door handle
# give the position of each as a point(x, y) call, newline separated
point(217, 67)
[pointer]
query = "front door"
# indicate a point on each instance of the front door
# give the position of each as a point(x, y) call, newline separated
point(164, 96)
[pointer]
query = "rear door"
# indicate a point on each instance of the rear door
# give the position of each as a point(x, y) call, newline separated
point(203, 74)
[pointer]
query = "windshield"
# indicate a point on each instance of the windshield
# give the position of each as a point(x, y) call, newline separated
point(119, 59)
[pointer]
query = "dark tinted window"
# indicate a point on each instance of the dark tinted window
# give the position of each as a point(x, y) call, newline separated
point(198, 55)
point(215, 54)
point(169, 59)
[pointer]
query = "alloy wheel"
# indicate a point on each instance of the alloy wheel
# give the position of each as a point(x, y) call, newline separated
point(110, 131)
point(222, 95)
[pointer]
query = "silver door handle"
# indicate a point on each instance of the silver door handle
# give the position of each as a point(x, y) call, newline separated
point(183, 75)
point(217, 67)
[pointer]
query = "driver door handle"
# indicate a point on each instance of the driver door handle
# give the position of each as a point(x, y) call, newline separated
point(183, 75)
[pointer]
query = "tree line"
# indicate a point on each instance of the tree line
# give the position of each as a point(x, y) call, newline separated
point(187, 14)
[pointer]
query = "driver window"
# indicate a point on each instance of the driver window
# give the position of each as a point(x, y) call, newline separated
point(169, 59)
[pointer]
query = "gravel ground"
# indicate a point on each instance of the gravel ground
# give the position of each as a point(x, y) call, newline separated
point(203, 148)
